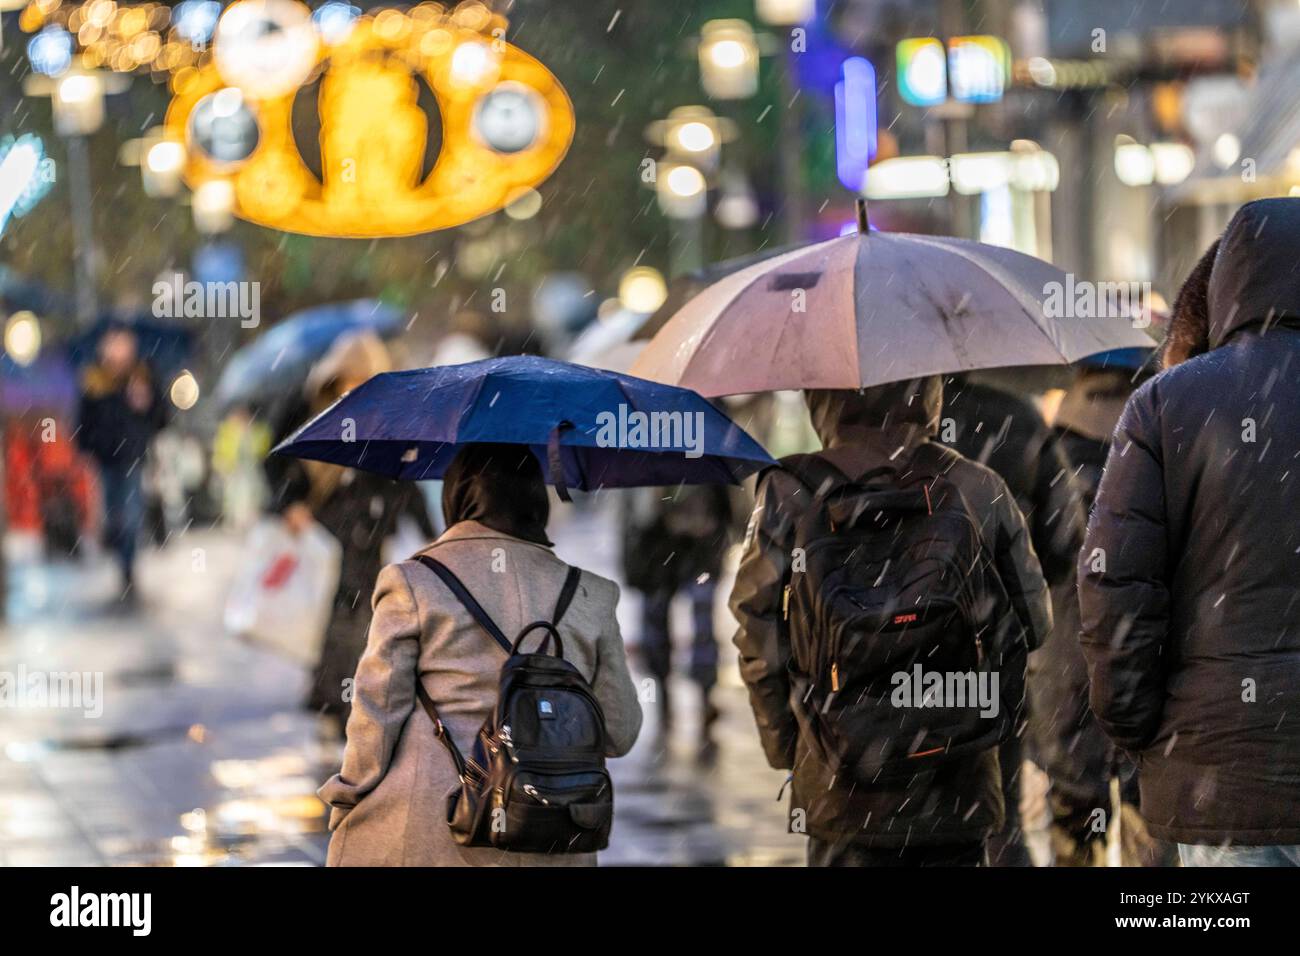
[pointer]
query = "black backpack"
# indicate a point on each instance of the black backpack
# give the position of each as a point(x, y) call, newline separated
point(896, 586)
point(535, 781)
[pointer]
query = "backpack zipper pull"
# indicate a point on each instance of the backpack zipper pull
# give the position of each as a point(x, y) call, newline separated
point(835, 676)
point(785, 603)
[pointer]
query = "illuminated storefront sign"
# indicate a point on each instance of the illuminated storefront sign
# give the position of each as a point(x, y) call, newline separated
point(972, 69)
point(978, 68)
point(855, 121)
point(506, 122)
point(922, 71)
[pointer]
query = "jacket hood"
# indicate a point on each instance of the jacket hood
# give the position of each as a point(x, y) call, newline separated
point(1256, 275)
point(904, 412)
point(1093, 403)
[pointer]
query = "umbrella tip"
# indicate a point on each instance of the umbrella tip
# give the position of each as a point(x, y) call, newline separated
point(863, 226)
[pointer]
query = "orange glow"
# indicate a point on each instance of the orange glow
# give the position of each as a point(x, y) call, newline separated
point(373, 135)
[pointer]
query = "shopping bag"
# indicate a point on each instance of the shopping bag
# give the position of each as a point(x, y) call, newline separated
point(283, 596)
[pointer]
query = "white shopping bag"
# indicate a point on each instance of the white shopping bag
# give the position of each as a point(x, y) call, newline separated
point(283, 596)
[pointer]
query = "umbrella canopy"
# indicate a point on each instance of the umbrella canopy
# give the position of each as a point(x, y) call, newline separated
point(872, 308)
point(589, 428)
point(276, 364)
point(686, 287)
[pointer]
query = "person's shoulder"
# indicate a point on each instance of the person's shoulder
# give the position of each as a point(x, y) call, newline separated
point(980, 485)
point(602, 591)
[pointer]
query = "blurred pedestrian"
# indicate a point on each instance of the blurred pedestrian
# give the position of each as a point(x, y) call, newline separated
point(238, 450)
point(358, 508)
point(389, 802)
point(941, 809)
point(1008, 434)
point(1187, 582)
point(673, 542)
point(121, 409)
point(1068, 744)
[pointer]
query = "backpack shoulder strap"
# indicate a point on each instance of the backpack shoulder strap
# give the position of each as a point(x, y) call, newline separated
point(567, 592)
point(484, 621)
point(468, 600)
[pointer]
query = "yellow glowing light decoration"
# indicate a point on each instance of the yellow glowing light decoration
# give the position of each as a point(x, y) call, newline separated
point(507, 124)
point(267, 48)
point(23, 338)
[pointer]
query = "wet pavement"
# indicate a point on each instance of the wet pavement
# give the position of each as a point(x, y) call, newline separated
point(202, 756)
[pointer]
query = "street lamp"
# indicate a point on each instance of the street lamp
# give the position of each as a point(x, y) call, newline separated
point(681, 190)
point(23, 338)
point(728, 54)
point(692, 134)
point(642, 290)
point(785, 13)
point(683, 197)
point(77, 97)
point(161, 162)
point(214, 206)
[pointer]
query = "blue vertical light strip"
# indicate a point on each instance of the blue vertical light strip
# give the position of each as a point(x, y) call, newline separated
point(855, 121)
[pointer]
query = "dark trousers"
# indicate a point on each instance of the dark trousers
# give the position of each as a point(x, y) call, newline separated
point(656, 636)
point(123, 513)
point(826, 853)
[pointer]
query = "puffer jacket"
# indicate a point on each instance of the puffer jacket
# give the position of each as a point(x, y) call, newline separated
point(1189, 581)
point(961, 802)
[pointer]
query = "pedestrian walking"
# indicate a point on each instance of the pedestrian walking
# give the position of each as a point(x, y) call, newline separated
point(121, 410)
point(1187, 581)
point(1008, 434)
point(389, 802)
point(673, 542)
point(358, 508)
point(1068, 744)
point(826, 644)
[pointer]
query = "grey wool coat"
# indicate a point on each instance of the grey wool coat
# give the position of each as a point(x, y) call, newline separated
point(388, 803)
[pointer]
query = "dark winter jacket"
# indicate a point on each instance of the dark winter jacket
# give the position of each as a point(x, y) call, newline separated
point(109, 428)
point(1189, 581)
point(672, 536)
point(962, 801)
point(1068, 744)
point(1008, 434)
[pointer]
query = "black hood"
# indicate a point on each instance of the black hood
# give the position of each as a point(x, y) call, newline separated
point(905, 412)
point(1256, 275)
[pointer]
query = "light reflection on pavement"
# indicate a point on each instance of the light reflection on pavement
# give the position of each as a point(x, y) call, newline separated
point(202, 756)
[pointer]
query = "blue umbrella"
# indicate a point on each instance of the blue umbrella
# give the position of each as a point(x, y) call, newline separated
point(590, 428)
point(1127, 360)
point(278, 361)
point(164, 346)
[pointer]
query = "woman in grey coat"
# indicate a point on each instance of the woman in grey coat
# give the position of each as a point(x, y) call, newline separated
point(388, 804)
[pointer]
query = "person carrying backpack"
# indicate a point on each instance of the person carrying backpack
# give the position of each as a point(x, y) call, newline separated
point(870, 571)
point(493, 685)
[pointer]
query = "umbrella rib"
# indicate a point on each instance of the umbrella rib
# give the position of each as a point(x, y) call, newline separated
point(1000, 276)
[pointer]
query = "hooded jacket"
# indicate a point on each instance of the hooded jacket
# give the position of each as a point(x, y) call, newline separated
point(1189, 581)
point(961, 802)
